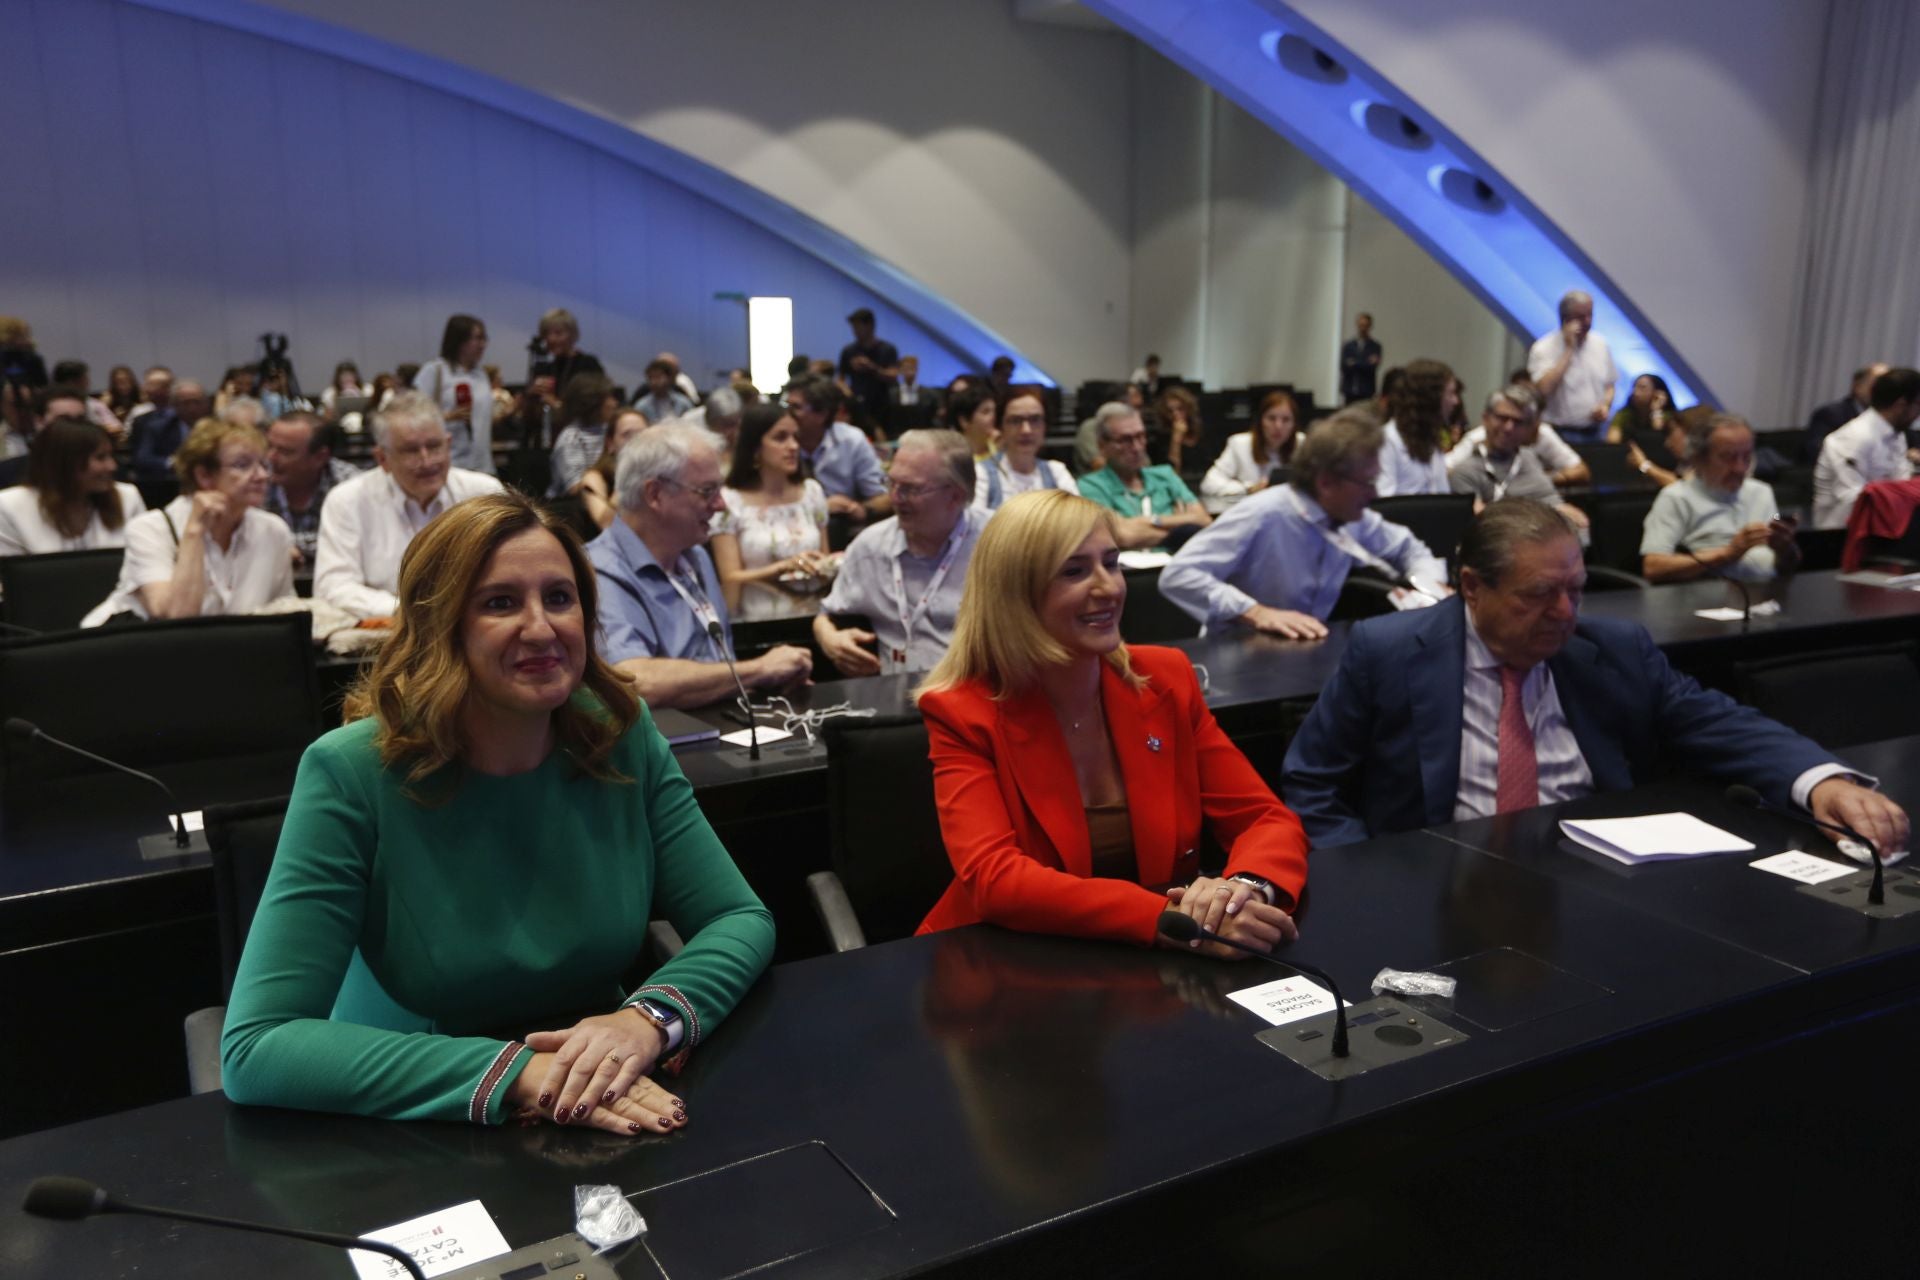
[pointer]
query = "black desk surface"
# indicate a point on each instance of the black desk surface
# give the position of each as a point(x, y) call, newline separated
point(998, 1092)
point(1721, 896)
point(1808, 602)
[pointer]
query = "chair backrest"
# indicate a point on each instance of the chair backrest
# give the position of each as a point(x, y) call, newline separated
point(883, 825)
point(1818, 694)
point(1608, 464)
point(53, 592)
point(1149, 617)
point(1619, 520)
point(1439, 520)
point(162, 695)
point(242, 839)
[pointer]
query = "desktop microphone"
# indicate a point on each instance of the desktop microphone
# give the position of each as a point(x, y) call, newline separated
point(24, 733)
point(746, 704)
point(1745, 795)
point(1180, 927)
point(68, 1199)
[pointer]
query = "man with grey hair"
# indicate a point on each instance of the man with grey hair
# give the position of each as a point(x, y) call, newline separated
point(1718, 519)
point(905, 573)
point(1154, 504)
point(1276, 561)
point(1505, 698)
point(1502, 464)
point(661, 609)
point(369, 520)
point(720, 415)
point(1574, 370)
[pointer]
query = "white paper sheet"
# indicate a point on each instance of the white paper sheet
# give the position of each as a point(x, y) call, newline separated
point(1285, 999)
point(444, 1241)
point(1654, 837)
point(741, 737)
point(1804, 867)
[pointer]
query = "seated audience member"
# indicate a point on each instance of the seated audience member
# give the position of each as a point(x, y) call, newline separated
point(1276, 561)
point(905, 574)
point(243, 411)
point(1502, 465)
point(1829, 418)
point(211, 551)
point(1018, 466)
point(1719, 520)
point(1413, 451)
point(457, 384)
point(587, 406)
point(1000, 375)
point(345, 385)
point(1146, 375)
point(1154, 504)
point(488, 731)
point(973, 412)
point(239, 380)
point(660, 598)
point(835, 453)
point(156, 392)
point(910, 402)
point(300, 451)
point(596, 486)
point(774, 528)
point(369, 520)
point(1247, 463)
point(682, 380)
point(1178, 410)
point(721, 415)
point(76, 376)
point(1074, 775)
point(1563, 466)
point(159, 434)
point(123, 393)
point(1664, 461)
point(1646, 411)
point(1504, 698)
point(662, 401)
point(1871, 447)
point(70, 501)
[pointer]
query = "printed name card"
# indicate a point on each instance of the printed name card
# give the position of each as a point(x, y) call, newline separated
point(440, 1242)
point(1804, 867)
point(1286, 1000)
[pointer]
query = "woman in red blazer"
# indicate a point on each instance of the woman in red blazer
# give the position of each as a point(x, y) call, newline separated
point(1071, 771)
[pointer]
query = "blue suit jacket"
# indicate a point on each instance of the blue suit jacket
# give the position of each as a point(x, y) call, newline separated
point(1381, 749)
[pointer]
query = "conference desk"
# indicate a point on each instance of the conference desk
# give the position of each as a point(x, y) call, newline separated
point(992, 1103)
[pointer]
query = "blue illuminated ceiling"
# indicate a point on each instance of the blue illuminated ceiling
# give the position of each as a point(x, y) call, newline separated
point(1289, 74)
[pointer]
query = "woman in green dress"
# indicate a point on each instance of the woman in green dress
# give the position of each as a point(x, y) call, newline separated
point(475, 855)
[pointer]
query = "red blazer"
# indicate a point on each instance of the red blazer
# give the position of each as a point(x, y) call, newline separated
point(1016, 828)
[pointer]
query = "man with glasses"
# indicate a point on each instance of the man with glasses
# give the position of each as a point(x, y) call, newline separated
point(369, 520)
point(1155, 506)
point(905, 574)
point(1503, 463)
point(1276, 561)
point(661, 609)
point(835, 453)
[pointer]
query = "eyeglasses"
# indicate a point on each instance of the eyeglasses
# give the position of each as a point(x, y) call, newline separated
point(246, 466)
point(1025, 420)
point(704, 492)
point(913, 492)
point(1132, 437)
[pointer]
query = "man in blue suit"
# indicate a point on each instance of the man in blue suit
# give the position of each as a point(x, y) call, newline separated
point(1503, 697)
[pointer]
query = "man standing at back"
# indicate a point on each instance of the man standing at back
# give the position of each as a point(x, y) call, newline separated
point(1573, 369)
point(1359, 362)
point(869, 365)
point(1829, 418)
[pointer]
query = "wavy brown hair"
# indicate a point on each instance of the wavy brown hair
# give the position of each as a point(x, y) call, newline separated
point(1414, 406)
point(419, 683)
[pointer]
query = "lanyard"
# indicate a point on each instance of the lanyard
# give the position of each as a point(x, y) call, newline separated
point(1345, 545)
point(909, 617)
point(705, 615)
point(1499, 485)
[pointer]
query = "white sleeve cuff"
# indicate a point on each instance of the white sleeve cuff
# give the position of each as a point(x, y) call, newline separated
point(1804, 784)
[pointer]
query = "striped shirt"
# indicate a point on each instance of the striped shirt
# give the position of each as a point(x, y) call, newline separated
point(1560, 768)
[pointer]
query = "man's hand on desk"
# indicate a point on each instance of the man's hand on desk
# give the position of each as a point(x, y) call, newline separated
point(1285, 623)
point(1847, 803)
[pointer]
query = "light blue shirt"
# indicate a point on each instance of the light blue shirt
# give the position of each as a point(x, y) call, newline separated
point(845, 464)
point(642, 614)
point(1279, 548)
point(1687, 513)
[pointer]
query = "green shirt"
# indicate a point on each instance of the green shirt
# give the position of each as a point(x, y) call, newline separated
point(397, 942)
point(1161, 484)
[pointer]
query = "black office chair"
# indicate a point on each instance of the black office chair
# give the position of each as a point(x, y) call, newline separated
point(53, 592)
point(1820, 548)
point(1618, 521)
point(1601, 578)
point(1363, 595)
point(889, 861)
point(1149, 617)
point(219, 708)
point(1806, 692)
point(1608, 466)
point(1439, 520)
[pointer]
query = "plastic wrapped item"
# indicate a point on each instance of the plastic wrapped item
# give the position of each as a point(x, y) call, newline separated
point(1413, 984)
point(604, 1217)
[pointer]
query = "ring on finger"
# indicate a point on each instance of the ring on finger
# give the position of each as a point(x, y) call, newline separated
point(614, 1058)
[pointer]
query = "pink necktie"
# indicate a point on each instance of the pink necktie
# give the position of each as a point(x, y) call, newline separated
point(1519, 783)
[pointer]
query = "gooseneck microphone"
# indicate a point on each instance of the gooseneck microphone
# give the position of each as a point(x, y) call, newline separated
point(1180, 927)
point(24, 733)
point(746, 704)
point(72, 1198)
point(1746, 597)
point(1745, 795)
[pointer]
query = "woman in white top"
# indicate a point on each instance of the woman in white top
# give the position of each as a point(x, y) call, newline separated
point(459, 385)
point(1414, 457)
point(1246, 465)
point(212, 550)
point(70, 501)
point(775, 525)
point(346, 382)
point(1018, 467)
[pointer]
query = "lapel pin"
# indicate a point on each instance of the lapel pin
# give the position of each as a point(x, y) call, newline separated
point(1153, 744)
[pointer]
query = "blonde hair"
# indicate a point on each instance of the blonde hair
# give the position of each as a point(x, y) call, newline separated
point(998, 637)
point(419, 683)
point(202, 448)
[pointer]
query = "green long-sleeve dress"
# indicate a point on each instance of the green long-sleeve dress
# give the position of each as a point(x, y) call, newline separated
point(395, 940)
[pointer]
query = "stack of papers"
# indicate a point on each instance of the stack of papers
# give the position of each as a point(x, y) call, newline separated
point(1654, 838)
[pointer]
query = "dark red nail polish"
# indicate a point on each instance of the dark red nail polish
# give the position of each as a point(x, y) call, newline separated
point(579, 1109)
point(560, 1115)
point(665, 1123)
point(681, 1116)
point(633, 1126)
point(546, 1100)
point(606, 1099)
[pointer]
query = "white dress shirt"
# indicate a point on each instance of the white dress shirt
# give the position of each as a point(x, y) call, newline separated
point(1555, 454)
point(1016, 482)
point(1279, 548)
point(255, 568)
point(365, 528)
point(1865, 450)
point(26, 531)
point(1402, 473)
point(1559, 768)
point(1588, 382)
